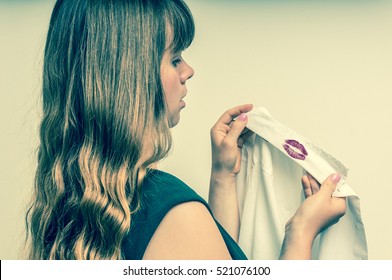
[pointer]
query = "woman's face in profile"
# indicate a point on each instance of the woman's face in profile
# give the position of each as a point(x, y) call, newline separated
point(174, 74)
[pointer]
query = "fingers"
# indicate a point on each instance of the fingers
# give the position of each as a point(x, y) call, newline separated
point(233, 113)
point(237, 128)
point(306, 186)
point(320, 210)
point(309, 185)
point(314, 185)
point(327, 189)
point(330, 184)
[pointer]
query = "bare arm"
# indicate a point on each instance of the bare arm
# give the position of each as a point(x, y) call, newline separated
point(187, 232)
point(227, 138)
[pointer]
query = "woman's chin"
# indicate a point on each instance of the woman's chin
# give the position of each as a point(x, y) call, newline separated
point(174, 120)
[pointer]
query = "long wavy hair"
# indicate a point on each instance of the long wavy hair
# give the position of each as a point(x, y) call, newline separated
point(104, 120)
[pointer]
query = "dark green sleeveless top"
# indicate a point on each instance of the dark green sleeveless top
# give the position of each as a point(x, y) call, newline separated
point(160, 192)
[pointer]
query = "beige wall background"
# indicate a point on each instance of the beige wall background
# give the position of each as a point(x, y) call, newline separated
point(323, 68)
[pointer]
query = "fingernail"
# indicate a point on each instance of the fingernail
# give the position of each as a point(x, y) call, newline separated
point(243, 117)
point(335, 178)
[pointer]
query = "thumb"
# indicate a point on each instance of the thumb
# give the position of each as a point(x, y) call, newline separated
point(330, 183)
point(237, 127)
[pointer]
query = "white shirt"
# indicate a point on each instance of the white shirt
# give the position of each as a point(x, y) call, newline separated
point(270, 191)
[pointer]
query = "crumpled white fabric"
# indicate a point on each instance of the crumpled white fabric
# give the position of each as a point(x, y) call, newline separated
point(270, 191)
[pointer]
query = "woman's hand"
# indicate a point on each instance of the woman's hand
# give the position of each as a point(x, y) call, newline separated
point(319, 211)
point(227, 137)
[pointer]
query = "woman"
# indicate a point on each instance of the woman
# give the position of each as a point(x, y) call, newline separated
point(113, 86)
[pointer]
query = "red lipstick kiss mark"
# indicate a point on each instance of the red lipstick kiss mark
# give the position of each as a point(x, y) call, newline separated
point(295, 149)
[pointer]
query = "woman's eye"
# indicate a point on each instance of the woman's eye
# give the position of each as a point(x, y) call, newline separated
point(176, 61)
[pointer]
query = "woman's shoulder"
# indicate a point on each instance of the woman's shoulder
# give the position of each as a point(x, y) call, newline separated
point(159, 193)
point(173, 216)
point(188, 231)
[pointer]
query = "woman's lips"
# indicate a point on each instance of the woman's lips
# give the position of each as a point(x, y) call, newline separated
point(295, 149)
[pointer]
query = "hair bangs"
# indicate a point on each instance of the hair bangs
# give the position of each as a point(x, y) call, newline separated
point(182, 24)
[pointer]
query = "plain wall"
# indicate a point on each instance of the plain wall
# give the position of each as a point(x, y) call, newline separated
point(323, 68)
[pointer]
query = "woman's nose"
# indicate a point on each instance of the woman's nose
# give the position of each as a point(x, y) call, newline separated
point(187, 73)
